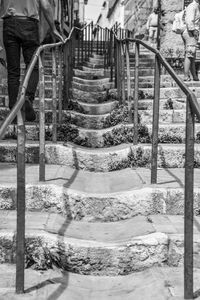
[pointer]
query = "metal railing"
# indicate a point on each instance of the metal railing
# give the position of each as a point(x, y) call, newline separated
point(65, 56)
point(122, 55)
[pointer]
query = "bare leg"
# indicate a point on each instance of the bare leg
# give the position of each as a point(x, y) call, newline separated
point(187, 66)
point(193, 69)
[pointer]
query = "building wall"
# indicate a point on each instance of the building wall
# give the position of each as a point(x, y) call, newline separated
point(137, 12)
point(117, 15)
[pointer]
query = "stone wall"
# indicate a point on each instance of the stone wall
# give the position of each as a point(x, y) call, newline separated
point(137, 12)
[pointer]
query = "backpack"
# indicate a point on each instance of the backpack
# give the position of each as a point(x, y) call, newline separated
point(179, 22)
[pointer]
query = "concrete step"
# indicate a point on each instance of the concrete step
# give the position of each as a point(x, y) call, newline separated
point(94, 82)
point(93, 88)
point(89, 74)
point(97, 109)
point(92, 65)
point(100, 131)
point(99, 249)
point(98, 197)
point(89, 97)
point(97, 61)
point(100, 160)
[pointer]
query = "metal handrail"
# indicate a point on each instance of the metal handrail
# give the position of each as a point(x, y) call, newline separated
point(192, 109)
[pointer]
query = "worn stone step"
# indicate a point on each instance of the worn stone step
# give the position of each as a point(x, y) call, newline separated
point(97, 109)
point(99, 197)
point(172, 92)
point(101, 160)
point(89, 97)
point(170, 104)
point(97, 61)
point(93, 88)
point(92, 65)
point(110, 249)
point(89, 74)
point(94, 82)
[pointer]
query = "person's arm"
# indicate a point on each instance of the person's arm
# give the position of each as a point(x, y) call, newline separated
point(48, 13)
point(190, 17)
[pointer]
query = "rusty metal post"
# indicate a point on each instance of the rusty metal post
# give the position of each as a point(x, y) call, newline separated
point(41, 119)
point(122, 73)
point(54, 97)
point(21, 204)
point(154, 158)
point(189, 203)
point(60, 76)
point(128, 83)
point(136, 92)
point(119, 72)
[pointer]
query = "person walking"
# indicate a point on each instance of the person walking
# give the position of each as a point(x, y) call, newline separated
point(152, 27)
point(190, 38)
point(21, 33)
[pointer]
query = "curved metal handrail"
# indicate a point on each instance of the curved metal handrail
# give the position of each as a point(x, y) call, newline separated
point(21, 95)
point(192, 97)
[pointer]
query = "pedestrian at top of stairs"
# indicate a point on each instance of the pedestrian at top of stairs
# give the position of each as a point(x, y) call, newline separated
point(190, 38)
point(21, 32)
point(152, 27)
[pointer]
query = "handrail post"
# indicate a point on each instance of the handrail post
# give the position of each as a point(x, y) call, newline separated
point(188, 217)
point(112, 53)
point(66, 75)
point(122, 73)
point(21, 204)
point(154, 158)
point(54, 97)
point(136, 91)
point(119, 73)
point(128, 83)
point(42, 119)
point(60, 76)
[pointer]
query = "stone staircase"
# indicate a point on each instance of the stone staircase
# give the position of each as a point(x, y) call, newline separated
point(97, 216)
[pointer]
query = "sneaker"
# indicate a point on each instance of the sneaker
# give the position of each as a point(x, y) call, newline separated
point(29, 111)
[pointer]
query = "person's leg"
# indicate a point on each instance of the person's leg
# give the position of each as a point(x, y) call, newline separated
point(151, 35)
point(187, 64)
point(12, 48)
point(30, 42)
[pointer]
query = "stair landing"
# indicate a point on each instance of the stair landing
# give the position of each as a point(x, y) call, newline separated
point(152, 284)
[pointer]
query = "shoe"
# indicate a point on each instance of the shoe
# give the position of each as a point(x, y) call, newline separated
point(29, 111)
point(196, 79)
point(187, 79)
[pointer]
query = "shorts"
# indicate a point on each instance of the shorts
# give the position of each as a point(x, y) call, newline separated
point(190, 40)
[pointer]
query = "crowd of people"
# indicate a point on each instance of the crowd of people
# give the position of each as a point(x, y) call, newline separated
point(190, 36)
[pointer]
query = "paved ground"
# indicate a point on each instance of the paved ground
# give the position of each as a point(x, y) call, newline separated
point(154, 284)
point(91, 182)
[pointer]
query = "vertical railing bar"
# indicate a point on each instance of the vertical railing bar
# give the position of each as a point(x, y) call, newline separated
point(85, 42)
point(154, 159)
point(54, 98)
point(21, 204)
point(60, 78)
point(92, 37)
point(189, 203)
point(112, 53)
point(89, 27)
point(128, 83)
point(78, 34)
point(136, 91)
point(82, 45)
point(97, 34)
point(41, 119)
point(123, 74)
